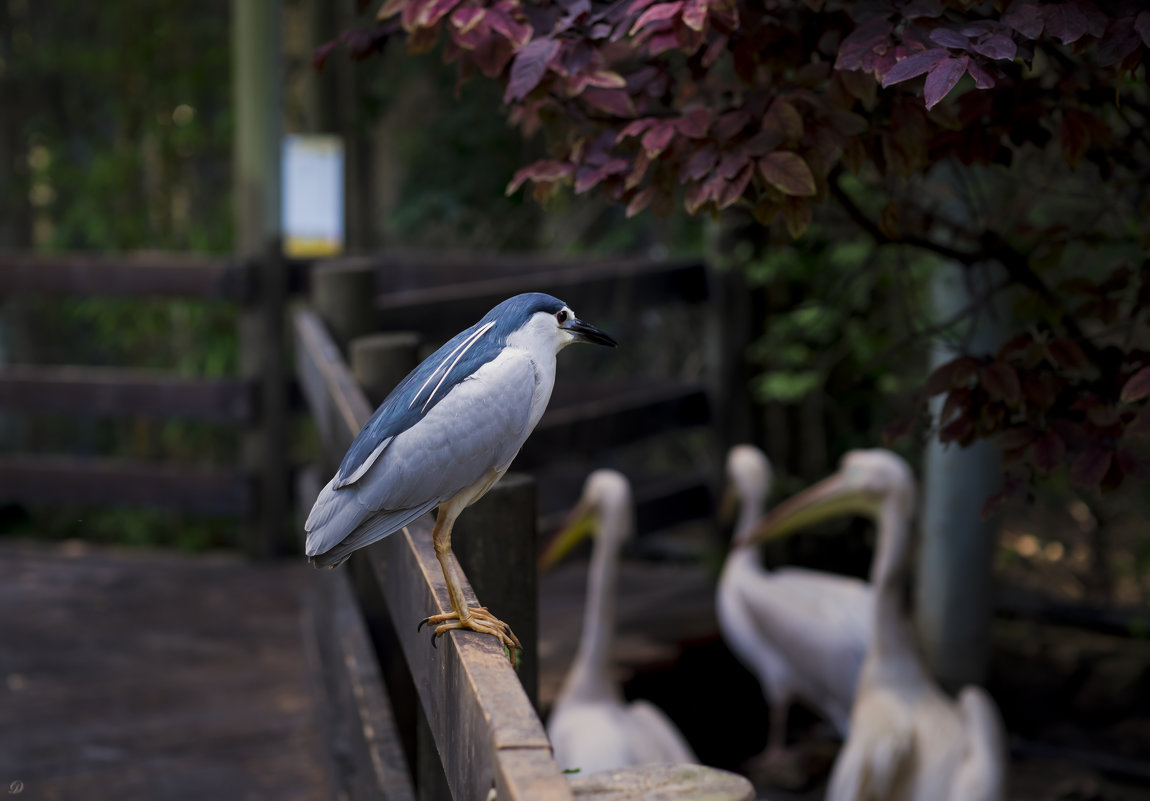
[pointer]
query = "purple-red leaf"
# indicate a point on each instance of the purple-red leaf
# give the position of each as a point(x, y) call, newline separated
point(982, 77)
point(529, 67)
point(694, 123)
point(945, 37)
point(787, 172)
point(655, 141)
point(914, 65)
point(1067, 354)
point(1090, 467)
point(783, 120)
point(641, 200)
point(657, 13)
point(586, 178)
point(861, 42)
point(1001, 382)
point(1138, 387)
point(942, 78)
point(733, 189)
point(695, 14)
point(950, 375)
point(1142, 26)
point(1048, 452)
point(546, 170)
point(731, 123)
point(1026, 18)
point(635, 128)
point(613, 101)
point(700, 163)
point(996, 46)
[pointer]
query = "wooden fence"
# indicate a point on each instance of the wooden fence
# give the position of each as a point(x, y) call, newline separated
point(249, 401)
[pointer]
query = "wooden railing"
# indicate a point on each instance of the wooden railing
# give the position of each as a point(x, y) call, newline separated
point(457, 717)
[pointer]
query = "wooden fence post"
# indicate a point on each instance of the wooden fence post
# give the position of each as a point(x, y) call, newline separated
point(380, 361)
point(495, 543)
point(343, 294)
point(256, 41)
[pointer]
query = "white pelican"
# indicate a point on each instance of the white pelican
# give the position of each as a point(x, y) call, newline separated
point(909, 741)
point(802, 633)
point(591, 727)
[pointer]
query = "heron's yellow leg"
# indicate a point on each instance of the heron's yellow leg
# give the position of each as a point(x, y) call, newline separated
point(475, 618)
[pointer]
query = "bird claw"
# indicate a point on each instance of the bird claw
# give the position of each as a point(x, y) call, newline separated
point(480, 620)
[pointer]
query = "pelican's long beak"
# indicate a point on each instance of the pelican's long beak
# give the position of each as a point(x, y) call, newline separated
point(580, 523)
point(585, 332)
point(831, 497)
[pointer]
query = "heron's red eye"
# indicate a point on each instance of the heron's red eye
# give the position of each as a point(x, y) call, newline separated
point(561, 316)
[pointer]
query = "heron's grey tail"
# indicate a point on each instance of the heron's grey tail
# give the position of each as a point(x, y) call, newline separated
point(340, 523)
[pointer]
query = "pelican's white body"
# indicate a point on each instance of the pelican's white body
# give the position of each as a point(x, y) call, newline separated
point(591, 726)
point(908, 741)
point(802, 633)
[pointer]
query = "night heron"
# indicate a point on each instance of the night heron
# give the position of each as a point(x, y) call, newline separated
point(909, 741)
point(444, 436)
point(591, 726)
point(803, 633)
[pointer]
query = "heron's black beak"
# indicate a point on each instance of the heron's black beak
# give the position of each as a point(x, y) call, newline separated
point(585, 332)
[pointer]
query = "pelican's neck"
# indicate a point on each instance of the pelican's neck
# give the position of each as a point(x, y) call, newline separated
point(590, 673)
point(750, 511)
point(893, 637)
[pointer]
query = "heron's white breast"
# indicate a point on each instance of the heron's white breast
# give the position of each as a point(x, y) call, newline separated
point(539, 347)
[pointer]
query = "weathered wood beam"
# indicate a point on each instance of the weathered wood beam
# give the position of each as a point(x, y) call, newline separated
point(119, 392)
point(137, 274)
point(73, 481)
point(484, 725)
point(338, 405)
point(436, 310)
point(588, 418)
point(367, 760)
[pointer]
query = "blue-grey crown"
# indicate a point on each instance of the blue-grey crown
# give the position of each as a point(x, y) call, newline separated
point(398, 412)
point(511, 314)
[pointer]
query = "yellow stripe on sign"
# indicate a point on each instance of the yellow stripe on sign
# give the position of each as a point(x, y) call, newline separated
point(304, 246)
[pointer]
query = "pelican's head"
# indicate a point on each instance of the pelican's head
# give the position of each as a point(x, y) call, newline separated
point(867, 482)
point(748, 483)
point(604, 510)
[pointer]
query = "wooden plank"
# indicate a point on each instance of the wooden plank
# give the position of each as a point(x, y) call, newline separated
point(137, 274)
point(73, 481)
point(337, 404)
point(439, 311)
point(118, 392)
point(147, 674)
point(367, 756)
point(484, 725)
point(587, 418)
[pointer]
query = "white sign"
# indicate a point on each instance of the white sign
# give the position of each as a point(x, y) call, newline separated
point(313, 194)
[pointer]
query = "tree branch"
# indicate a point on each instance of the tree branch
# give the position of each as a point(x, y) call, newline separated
point(992, 248)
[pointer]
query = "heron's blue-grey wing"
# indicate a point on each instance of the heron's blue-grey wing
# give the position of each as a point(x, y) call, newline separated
point(412, 397)
point(478, 426)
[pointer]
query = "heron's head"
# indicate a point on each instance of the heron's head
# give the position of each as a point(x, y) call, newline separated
point(603, 510)
point(538, 320)
point(748, 481)
point(867, 481)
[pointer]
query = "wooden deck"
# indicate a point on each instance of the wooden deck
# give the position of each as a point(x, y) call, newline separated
point(149, 675)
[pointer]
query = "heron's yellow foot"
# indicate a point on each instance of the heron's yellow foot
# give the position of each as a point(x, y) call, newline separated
point(477, 619)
